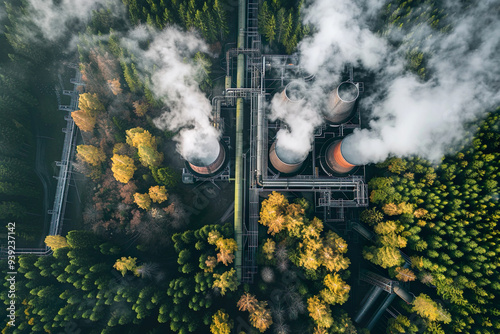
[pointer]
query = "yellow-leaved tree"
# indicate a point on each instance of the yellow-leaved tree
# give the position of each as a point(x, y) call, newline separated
point(127, 264)
point(55, 241)
point(221, 324)
point(146, 145)
point(90, 108)
point(123, 168)
point(158, 194)
point(84, 121)
point(91, 154)
point(90, 103)
point(319, 312)
point(261, 317)
point(336, 291)
point(143, 201)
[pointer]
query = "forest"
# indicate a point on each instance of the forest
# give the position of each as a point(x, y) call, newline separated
point(445, 218)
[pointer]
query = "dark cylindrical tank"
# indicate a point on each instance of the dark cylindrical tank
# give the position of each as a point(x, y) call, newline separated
point(341, 102)
point(281, 163)
point(335, 160)
point(204, 168)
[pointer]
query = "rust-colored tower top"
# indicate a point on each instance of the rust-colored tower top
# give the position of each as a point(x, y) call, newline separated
point(206, 169)
point(335, 160)
point(280, 164)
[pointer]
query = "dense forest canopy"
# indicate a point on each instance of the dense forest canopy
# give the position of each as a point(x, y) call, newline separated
point(148, 262)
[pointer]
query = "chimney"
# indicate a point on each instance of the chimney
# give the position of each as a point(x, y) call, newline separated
point(294, 92)
point(336, 160)
point(341, 102)
point(209, 166)
point(283, 161)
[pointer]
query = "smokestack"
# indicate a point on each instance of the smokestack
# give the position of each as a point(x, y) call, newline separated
point(294, 92)
point(336, 158)
point(285, 161)
point(210, 165)
point(341, 102)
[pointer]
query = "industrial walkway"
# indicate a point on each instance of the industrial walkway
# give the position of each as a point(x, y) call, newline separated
point(64, 177)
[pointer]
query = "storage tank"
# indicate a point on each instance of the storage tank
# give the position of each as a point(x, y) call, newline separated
point(283, 160)
point(210, 165)
point(341, 102)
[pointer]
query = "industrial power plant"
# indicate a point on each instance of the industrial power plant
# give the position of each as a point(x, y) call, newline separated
point(257, 149)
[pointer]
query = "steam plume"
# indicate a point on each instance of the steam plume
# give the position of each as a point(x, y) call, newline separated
point(408, 116)
point(173, 80)
point(301, 117)
point(428, 119)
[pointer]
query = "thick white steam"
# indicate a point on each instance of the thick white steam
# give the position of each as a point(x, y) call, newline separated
point(301, 117)
point(428, 119)
point(167, 60)
point(408, 116)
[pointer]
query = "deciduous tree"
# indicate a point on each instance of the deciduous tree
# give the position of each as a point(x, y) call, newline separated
point(143, 201)
point(158, 194)
point(91, 154)
point(123, 168)
point(55, 241)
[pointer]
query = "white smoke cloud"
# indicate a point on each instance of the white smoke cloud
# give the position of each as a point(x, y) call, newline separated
point(173, 75)
point(408, 116)
point(341, 36)
point(428, 119)
point(294, 142)
point(52, 18)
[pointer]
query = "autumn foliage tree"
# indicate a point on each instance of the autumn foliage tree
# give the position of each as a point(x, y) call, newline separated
point(158, 194)
point(146, 145)
point(260, 317)
point(90, 108)
point(226, 281)
point(247, 302)
point(125, 264)
point(55, 241)
point(319, 312)
point(83, 120)
point(142, 200)
point(123, 168)
point(221, 324)
point(91, 154)
point(424, 306)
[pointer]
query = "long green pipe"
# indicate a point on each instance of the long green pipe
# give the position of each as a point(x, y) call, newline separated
point(238, 184)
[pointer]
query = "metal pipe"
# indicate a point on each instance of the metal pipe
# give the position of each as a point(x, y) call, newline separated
point(388, 300)
point(238, 168)
point(260, 121)
point(373, 294)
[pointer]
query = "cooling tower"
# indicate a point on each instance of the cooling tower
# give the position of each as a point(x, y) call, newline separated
point(294, 92)
point(335, 159)
point(211, 165)
point(341, 102)
point(284, 162)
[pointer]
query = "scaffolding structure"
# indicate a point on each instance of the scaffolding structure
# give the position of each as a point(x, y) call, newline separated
point(64, 176)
